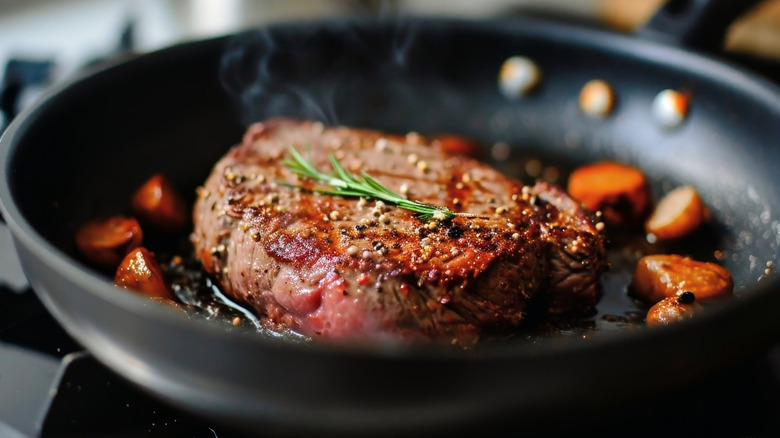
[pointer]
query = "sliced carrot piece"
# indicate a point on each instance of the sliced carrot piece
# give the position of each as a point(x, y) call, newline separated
point(158, 204)
point(453, 144)
point(140, 272)
point(619, 191)
point(665, 275)
point(678, 214)
point(672, 309)
point(104, 242)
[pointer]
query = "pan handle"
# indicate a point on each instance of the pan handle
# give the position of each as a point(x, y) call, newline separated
point(695, 24)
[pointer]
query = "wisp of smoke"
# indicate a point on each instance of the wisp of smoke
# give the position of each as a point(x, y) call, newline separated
point(317, 72)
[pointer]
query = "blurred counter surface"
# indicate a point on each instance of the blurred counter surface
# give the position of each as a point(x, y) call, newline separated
point(74, 30)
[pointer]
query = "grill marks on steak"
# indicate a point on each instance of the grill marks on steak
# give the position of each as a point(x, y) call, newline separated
point(352, 268)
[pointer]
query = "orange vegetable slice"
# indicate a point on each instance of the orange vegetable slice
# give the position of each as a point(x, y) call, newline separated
point(619, 191)
point(158, 204)
point(679, 213)
point(665, 275)
point(104, 242)
point(672, 309)
point(140, 272)
point(453, 144)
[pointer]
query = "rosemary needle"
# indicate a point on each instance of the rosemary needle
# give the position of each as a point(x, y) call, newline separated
point(343, 183)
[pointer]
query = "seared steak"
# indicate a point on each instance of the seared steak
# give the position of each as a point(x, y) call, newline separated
point(336, 267)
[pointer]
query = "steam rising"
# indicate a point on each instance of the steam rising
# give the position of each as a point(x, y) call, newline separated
point(333, 73)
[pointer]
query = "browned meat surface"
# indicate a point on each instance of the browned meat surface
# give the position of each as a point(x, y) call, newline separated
point(336, 267)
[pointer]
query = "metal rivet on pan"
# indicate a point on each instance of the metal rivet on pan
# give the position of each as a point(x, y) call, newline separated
point(518, 76)
point(670, 108)
point(597, 98)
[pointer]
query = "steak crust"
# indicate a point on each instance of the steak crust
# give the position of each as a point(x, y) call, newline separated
point(346, 268)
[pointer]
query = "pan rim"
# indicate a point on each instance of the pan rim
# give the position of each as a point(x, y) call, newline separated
point(755, 86)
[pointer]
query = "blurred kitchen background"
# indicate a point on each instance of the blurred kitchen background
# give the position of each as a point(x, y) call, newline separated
point(42, 41)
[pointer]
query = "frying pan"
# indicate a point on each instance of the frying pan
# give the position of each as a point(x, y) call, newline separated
point(81, 151)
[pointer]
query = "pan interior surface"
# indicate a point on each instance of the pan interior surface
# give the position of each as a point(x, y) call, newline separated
point(81, 152)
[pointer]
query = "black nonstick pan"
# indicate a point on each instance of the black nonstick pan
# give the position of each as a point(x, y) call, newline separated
point(81, 151)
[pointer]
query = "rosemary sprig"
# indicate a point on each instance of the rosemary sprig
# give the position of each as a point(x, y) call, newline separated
point(345, 184)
